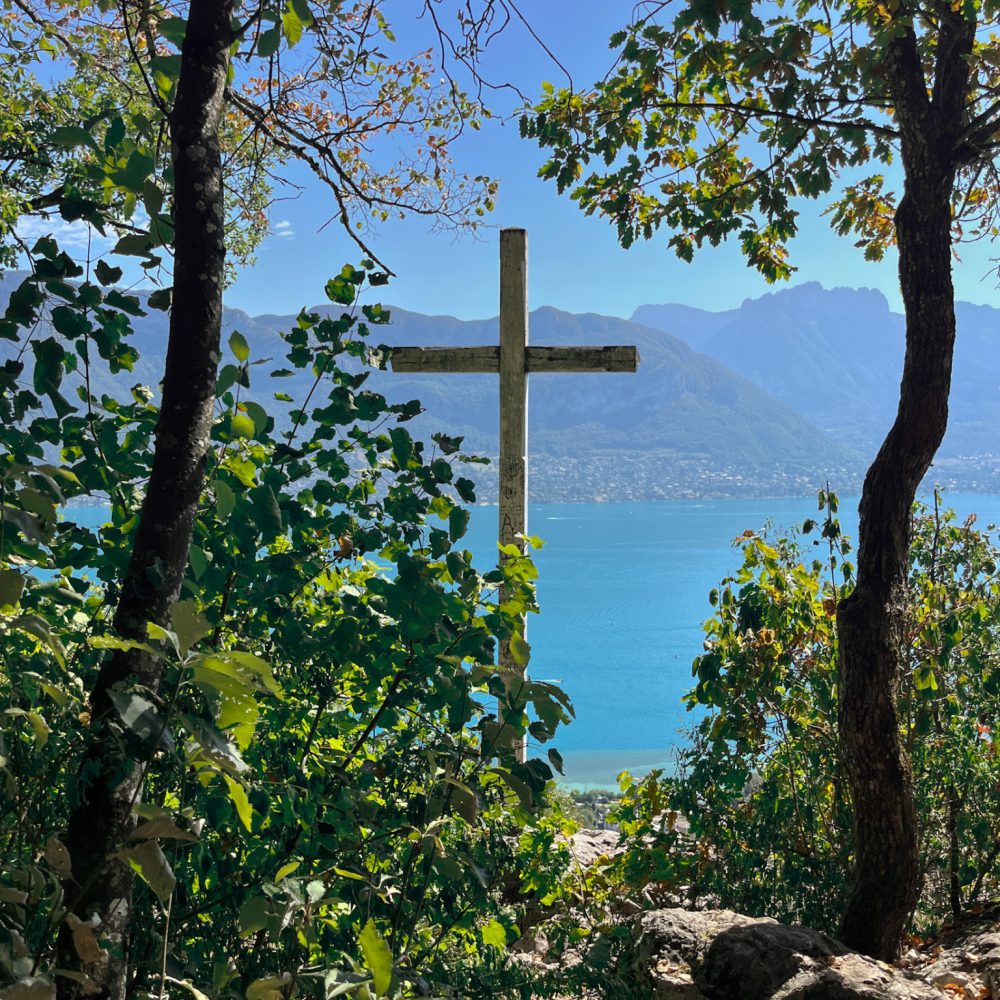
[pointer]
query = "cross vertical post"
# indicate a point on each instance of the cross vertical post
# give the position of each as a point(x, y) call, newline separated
point(513, 360)
point(513, 407)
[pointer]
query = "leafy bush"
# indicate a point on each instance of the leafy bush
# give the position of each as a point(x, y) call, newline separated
point(333, 798)
point(760, 783)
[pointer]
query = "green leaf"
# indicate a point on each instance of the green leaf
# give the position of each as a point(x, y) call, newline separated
point(225, 499)
point(173, 29)
point(494, 934)
point(162, 634)
point(254, 916)
point(238, 796)
point(266, 512)
point(268, 42)
point(137, 168)
point(106, 274)
point(286, 869)
point(11, 587)
point(458, 523)
point(239, 346)
point(116, 642)
point(377, 957)
point(341, 291)
point(189, 625)
point(37, 723)
point(241, 426)
point(464, 800)
point(150, 864)
point(520, 650)
point(73, 135)
point(292, 24)
point(160, 299)
point(242, 468)
point(142, 718)
point(402, 446)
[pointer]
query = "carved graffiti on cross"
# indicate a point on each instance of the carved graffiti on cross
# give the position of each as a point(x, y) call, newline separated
point(513, 359)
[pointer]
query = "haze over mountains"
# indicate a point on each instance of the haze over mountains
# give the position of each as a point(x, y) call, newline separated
point(775, 398)
point(835, 356)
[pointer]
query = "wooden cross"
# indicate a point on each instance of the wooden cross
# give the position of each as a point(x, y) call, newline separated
point(514, 360)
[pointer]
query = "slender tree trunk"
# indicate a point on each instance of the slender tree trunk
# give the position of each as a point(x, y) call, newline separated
point(110, 781)
point(886, 882)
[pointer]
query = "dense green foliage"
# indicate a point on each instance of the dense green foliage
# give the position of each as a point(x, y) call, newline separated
point(331, 793)
point(761, 783)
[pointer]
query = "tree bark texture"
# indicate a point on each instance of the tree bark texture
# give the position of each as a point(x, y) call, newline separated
point(110, 780)
point(886, 880)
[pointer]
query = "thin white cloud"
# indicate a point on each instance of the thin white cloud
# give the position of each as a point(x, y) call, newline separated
point(71, 236)
point(283, 229)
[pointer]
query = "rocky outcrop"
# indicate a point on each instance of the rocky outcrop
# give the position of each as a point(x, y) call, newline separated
point(678, 954)
point(964, 961)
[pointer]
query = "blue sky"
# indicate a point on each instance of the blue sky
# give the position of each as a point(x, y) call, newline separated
point(576, 263)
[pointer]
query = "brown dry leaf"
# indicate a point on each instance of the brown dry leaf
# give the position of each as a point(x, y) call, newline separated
point(85, 940)
point(57, 857)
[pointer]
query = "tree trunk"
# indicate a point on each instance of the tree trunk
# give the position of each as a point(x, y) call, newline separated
point(110, 781)
point(886, 879)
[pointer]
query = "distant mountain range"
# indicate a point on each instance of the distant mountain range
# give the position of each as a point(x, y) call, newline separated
point(789, 391)
point(836, 357)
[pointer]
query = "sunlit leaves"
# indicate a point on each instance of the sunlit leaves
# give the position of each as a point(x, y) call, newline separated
point(331, 725)
point(377, 957)
point(711, 125)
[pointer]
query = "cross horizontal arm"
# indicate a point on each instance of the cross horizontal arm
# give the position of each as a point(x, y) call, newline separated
point(537, 359)
point(445, 359)
point(582, 359)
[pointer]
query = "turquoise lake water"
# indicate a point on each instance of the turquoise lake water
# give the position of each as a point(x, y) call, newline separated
point(623, 591)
